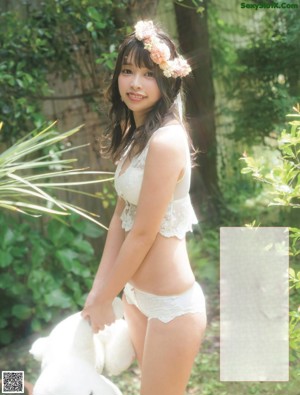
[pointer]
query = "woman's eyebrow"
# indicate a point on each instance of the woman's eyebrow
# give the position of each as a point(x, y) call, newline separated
point(126, 63)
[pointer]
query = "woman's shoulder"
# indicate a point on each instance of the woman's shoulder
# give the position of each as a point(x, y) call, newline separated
point(171, 127)
point(169, 140)
point(169, 136)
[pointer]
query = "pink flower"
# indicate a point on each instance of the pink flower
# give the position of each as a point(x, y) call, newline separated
point(160, 52)
point(179, 67)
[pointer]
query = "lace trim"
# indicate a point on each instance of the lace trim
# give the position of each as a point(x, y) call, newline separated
point(168, 307)
point(138, 161)
point(178, 219)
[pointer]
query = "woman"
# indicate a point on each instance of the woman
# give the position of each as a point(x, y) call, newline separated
point(145, 249)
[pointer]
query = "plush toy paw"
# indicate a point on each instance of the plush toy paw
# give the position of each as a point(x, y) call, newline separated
point(118, 350)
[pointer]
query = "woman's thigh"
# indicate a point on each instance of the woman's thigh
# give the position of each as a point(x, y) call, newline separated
point(137, 324)
point(169, 353)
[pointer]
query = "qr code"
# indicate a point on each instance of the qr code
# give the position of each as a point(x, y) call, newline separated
point(12, 382)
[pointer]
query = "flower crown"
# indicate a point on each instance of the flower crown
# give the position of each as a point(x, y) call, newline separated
point(160, 52)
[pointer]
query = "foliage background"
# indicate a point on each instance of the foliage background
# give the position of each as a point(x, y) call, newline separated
point(55, 61)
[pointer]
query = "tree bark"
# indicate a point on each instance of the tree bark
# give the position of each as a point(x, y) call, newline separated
point(136, 10)
point(194, 42)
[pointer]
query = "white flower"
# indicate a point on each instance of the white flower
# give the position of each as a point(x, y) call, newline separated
point(144, 29)
point(281, 79)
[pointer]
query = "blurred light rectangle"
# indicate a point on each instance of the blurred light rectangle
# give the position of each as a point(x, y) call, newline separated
point(254, 304)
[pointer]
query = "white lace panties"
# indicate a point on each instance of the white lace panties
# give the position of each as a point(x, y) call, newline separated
point(166, 308)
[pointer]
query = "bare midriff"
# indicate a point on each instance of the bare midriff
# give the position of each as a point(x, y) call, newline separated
point(166, 269)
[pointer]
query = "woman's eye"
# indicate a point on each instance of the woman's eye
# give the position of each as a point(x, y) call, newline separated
point(126, 71)
point(150, 74)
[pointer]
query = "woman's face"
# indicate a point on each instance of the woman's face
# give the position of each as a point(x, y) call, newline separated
point(138, 89)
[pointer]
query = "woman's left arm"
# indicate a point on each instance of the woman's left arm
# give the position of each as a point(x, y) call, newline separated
point(165, 161)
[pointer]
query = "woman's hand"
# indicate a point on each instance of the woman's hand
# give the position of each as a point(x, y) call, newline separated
point(98, 313)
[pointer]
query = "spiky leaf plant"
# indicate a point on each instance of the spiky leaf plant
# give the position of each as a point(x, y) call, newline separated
point(29, 178)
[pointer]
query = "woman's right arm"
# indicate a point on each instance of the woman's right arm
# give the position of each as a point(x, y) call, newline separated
point(114, 240)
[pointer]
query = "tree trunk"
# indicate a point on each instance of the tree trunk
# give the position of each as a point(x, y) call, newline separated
point(136, 10)
point(194, 42)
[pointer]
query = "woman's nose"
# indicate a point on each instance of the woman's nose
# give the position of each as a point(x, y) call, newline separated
point(136, 81)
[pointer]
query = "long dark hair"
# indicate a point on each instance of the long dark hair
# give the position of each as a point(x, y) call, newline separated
point(122, 131)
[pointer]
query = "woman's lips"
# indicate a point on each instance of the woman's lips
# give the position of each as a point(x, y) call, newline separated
point(135, 96)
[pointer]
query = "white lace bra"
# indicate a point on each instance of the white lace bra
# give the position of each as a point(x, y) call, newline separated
point(179, 216)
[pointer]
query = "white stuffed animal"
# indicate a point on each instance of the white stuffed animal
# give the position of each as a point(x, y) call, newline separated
point(73, 358)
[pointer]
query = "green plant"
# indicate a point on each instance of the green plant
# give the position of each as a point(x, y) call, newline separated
point(43, 271)
point(203, 252)
point(265, 80)
point(58, 39)
point(283, 182)
point(42, 274)
point(19, 186)
point(255, 70)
